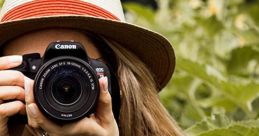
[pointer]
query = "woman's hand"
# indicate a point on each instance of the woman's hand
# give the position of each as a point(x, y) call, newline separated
point(11, 88)
point(101, 123)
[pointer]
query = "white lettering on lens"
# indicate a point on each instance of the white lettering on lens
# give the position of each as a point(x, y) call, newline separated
point(67, 115)
point(65, 46)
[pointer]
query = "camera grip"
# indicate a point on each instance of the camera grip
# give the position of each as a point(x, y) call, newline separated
point(30, 65)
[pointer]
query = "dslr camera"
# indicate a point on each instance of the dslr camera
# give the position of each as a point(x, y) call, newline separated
point(66, 86)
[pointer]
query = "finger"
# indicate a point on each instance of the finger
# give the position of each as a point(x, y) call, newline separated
point(28, 87)
point(23, 110)
point(29, 99)
point(36, 119)
point(11, 92)
point(104, 106)
point(85, 126)
point(8, 62)
point(11, 78)
point(11, 108)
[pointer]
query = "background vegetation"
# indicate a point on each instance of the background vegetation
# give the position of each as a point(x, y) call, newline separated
point(215, 88)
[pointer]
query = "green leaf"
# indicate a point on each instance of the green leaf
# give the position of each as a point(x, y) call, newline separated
point(140, 14)
point(240, 93)
point(211, 25)
point(220, 125)
point(218, 101)
point(235, 130)
point(240, 59)
point(252, 9)
point(208, 124)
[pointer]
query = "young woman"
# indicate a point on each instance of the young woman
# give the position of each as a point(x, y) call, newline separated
point(143, 60)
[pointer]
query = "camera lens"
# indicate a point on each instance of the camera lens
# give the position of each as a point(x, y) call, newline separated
point(66, 90)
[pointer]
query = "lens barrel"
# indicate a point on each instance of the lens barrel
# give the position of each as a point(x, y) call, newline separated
point(66, 88)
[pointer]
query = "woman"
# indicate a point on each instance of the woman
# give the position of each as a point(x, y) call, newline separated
point(139, 70)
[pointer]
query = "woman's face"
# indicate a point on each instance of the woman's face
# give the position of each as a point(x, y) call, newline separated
point(37, 42)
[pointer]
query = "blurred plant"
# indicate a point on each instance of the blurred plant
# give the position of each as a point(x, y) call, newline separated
point(217, 74)
point(150, 3)
point(1, 3)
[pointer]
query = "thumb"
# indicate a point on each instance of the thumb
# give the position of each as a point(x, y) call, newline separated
point(104, 106)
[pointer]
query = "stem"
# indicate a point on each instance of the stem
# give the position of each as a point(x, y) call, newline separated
point(191, 94)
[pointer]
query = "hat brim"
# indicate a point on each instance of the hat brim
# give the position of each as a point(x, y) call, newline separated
point(151, 48)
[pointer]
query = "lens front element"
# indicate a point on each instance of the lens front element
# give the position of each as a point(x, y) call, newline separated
point(66, 89)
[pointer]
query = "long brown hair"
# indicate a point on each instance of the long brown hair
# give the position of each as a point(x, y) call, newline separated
point(142, 113)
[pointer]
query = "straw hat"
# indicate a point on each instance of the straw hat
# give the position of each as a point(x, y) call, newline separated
point(104, 17)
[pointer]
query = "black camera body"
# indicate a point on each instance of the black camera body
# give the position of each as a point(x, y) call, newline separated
point(66, 86)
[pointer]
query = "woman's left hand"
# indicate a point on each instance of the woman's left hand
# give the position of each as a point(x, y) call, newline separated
point(101, 123)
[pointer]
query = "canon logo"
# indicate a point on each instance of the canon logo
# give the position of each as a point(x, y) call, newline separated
point(65, 46)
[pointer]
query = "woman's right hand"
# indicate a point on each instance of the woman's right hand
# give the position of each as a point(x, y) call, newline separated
point(11, 91)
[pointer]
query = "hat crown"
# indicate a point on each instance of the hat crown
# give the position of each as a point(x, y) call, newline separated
point(61, 7)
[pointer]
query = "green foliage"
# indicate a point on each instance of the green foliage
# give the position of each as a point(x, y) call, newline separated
point(219, 125)
point(1, 3)
point(215, 88)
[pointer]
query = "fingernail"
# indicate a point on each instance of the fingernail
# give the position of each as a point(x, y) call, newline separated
point(15, 59)
point(105, 84)
point(32, 110)
point(104, 81)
